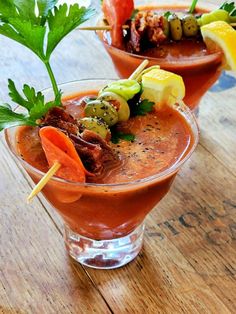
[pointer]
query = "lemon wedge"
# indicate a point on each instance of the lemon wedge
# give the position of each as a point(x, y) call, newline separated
point(162, 87)
point(223, 35)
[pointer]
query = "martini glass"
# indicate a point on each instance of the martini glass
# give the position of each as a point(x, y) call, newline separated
point(199, 70)
point(104, 223)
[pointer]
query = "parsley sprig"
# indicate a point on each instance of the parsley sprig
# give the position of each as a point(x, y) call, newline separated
point(116, 136)
point(141, 108)
point(167, 14)
point(230, 8)
point(41, 32)
point(9, 118)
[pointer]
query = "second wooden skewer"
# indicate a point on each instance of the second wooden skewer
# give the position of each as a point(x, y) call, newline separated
point(99, 28)
point(44, 181)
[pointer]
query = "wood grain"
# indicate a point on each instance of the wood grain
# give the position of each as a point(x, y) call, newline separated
point(218, 129)
point(188, 261)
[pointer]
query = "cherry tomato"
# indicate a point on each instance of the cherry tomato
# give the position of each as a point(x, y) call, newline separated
point(117, 12)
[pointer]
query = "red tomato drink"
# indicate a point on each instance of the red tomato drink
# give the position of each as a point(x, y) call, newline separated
point(113, 205)
point(189, 58)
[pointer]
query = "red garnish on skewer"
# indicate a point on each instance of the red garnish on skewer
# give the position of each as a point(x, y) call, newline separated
point(59, 148)
point(117, 12)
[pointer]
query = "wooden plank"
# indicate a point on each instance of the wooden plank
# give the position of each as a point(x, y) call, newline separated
point(200, 222)
point(155, 284)
point(187, 264)
point(217, 123)
point(36, 275)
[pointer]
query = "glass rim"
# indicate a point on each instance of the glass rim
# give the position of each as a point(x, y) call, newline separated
point(161, 175)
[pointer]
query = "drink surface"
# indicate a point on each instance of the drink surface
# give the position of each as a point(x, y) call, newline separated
point(105, 211)
point(162, 138)
point(169, 49)
point(178, 50)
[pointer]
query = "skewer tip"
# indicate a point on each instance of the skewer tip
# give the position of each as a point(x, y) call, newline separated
point(139, 69)
point(40, 185)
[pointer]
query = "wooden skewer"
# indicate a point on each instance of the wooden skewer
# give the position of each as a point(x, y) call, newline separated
point(139, 69)
point(43, 181)
point(108, 28)
point(57, 165)
point(99, 28)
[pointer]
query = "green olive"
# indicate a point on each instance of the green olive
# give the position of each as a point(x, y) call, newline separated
point(175, 27)
point(166, 26)
point(96, 125)
point(119, 103)
point(190, 25)
point(102, 109)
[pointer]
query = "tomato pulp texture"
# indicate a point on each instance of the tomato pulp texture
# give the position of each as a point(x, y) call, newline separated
point(162, 138)
point(199, 68)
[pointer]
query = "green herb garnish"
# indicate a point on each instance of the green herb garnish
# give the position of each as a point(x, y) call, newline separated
point(9, 118)
point(229, 7)
point(142, 107)
point(32, 101)
point(134, 13)
point(233, 13)
point(117, 136)
point(193, 6)
point(40, 32)
point(167, 14)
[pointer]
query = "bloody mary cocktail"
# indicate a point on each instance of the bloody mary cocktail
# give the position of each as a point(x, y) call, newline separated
point(187, 57)
point(104, 216)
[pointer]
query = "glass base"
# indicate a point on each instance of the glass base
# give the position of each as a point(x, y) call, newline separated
point(104, 254)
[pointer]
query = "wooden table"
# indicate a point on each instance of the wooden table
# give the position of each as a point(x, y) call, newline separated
point(188, 262)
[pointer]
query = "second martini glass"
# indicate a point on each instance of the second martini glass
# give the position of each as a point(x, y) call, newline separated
point(199, 71)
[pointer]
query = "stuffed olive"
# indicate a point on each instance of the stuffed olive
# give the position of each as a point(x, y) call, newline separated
point(190, 25)
point(119, 103)
point(175, 27)
point(102, 109)
point(96, 125)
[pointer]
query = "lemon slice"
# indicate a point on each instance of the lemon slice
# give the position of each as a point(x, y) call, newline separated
point(162, 87)
point(223, 35)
